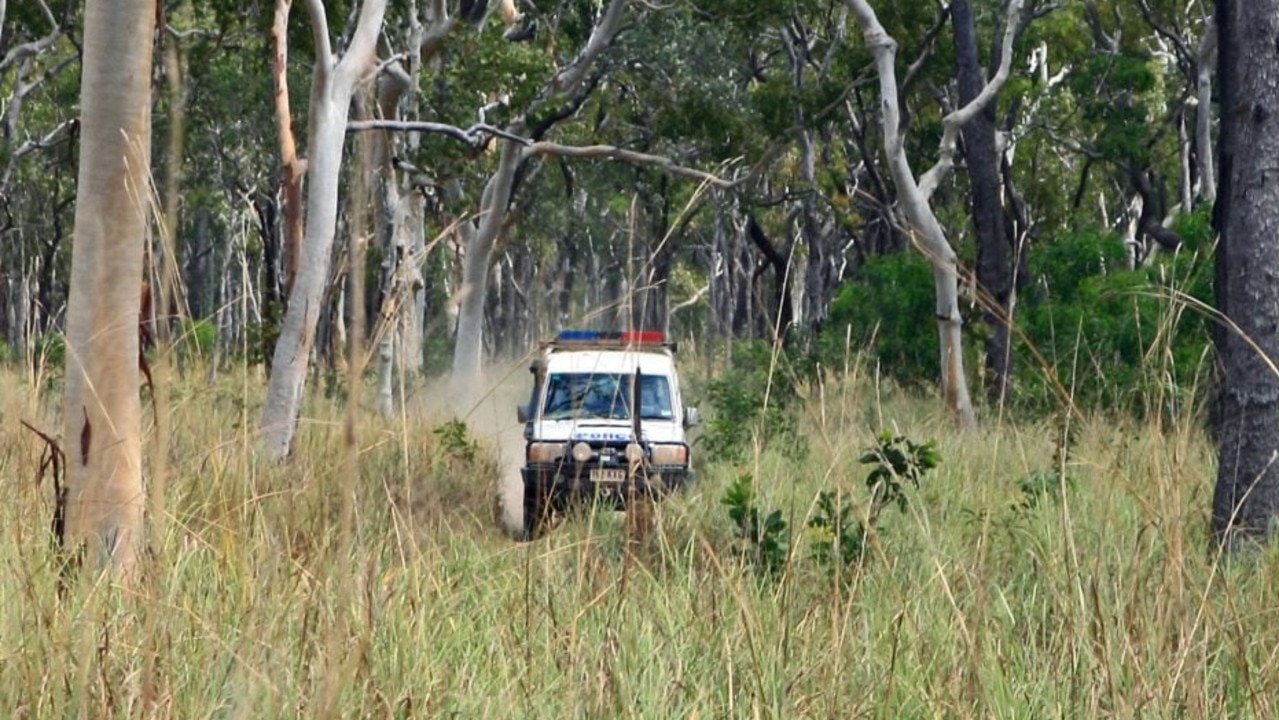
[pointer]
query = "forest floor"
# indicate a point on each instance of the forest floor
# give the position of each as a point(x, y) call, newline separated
point(1014, 582)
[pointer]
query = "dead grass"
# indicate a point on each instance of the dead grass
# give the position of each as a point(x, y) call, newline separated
point(1101, 600)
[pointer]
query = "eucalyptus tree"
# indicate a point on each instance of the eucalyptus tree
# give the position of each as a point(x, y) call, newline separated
point(1246, 502)
point(102, 408)
point(982, 158)
point(762, 82)
point(231, 232)
point(559, 95)
point(1181, 38)
point(1130, 120)
point(400, 214)
point(334, 83)
point(914, 193)
point(678, 86)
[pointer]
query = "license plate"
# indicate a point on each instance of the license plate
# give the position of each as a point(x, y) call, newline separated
point(608, 475)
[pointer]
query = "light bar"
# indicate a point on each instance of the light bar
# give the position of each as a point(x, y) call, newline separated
point(612, 337)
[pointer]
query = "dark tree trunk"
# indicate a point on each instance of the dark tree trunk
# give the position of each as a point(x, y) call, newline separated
point(778, 313)
point(565, 281)
point(740, 273)
point(994, 269)
point(196, 272)
point(1246, 501)
point(652, 299)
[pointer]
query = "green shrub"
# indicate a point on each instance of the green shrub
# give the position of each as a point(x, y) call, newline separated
point(888, 310)
point(1087, 328)
point(196, 338)
point(1111, 337)
point(838, 535)
point(51, 350)
point(762, 538)
point(756, 399)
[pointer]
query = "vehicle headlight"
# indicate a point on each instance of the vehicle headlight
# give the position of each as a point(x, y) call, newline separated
point(546, 452)
point(582, 452)
point(634, 452)
point(670, 454)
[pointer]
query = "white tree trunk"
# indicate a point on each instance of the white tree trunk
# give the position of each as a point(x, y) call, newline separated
point(914, 195)
point(399, 235)
point(103, 412)
point(1203, 115)
point(468, 352)
point(331, 91)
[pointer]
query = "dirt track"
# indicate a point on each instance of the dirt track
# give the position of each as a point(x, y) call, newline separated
point(493, 424)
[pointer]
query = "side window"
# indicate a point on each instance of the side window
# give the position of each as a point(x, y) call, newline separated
point(655, 397)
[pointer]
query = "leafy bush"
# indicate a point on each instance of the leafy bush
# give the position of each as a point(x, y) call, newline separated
point(1059, 267)
point(897, 460)
point(196, 338)
point(455, 441)
point(1087, 326)
point(1113, 337)
point(756, 398)
point(51, 350)
point(762, 539)
point(839, 537)
point(889, 310)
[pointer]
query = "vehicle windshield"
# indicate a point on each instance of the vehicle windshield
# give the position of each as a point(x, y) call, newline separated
point(601, 395)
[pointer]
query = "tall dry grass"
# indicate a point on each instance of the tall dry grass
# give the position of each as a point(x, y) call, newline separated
point(1100, 600)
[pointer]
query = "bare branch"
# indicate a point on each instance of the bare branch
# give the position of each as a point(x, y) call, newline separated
point(1104, 41)
point(320, 34)
point(34, 47)
point(362, 52)
point(601, 37)
point(696, 297)
point(478, 134)
point(56, 135)
point(956, 120)
point(926, 49)
point(474, 135)
point(434, 38)
point(631, 156)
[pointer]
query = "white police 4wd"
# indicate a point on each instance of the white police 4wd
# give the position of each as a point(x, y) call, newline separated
point(605, 420)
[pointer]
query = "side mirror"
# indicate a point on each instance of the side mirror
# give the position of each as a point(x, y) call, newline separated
point(692, 417)
point(521, 413)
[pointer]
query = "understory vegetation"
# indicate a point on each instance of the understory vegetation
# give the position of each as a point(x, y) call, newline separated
point(1048, 568)
point(1088, 329)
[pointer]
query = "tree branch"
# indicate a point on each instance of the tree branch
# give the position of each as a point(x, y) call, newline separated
point(362, 51)
point(601, 37)
point(956, 120)
point(478, 134)
point(34, 47)
point(57, 134)
point(320, 35)
point(475, 135)
point(630, 156)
